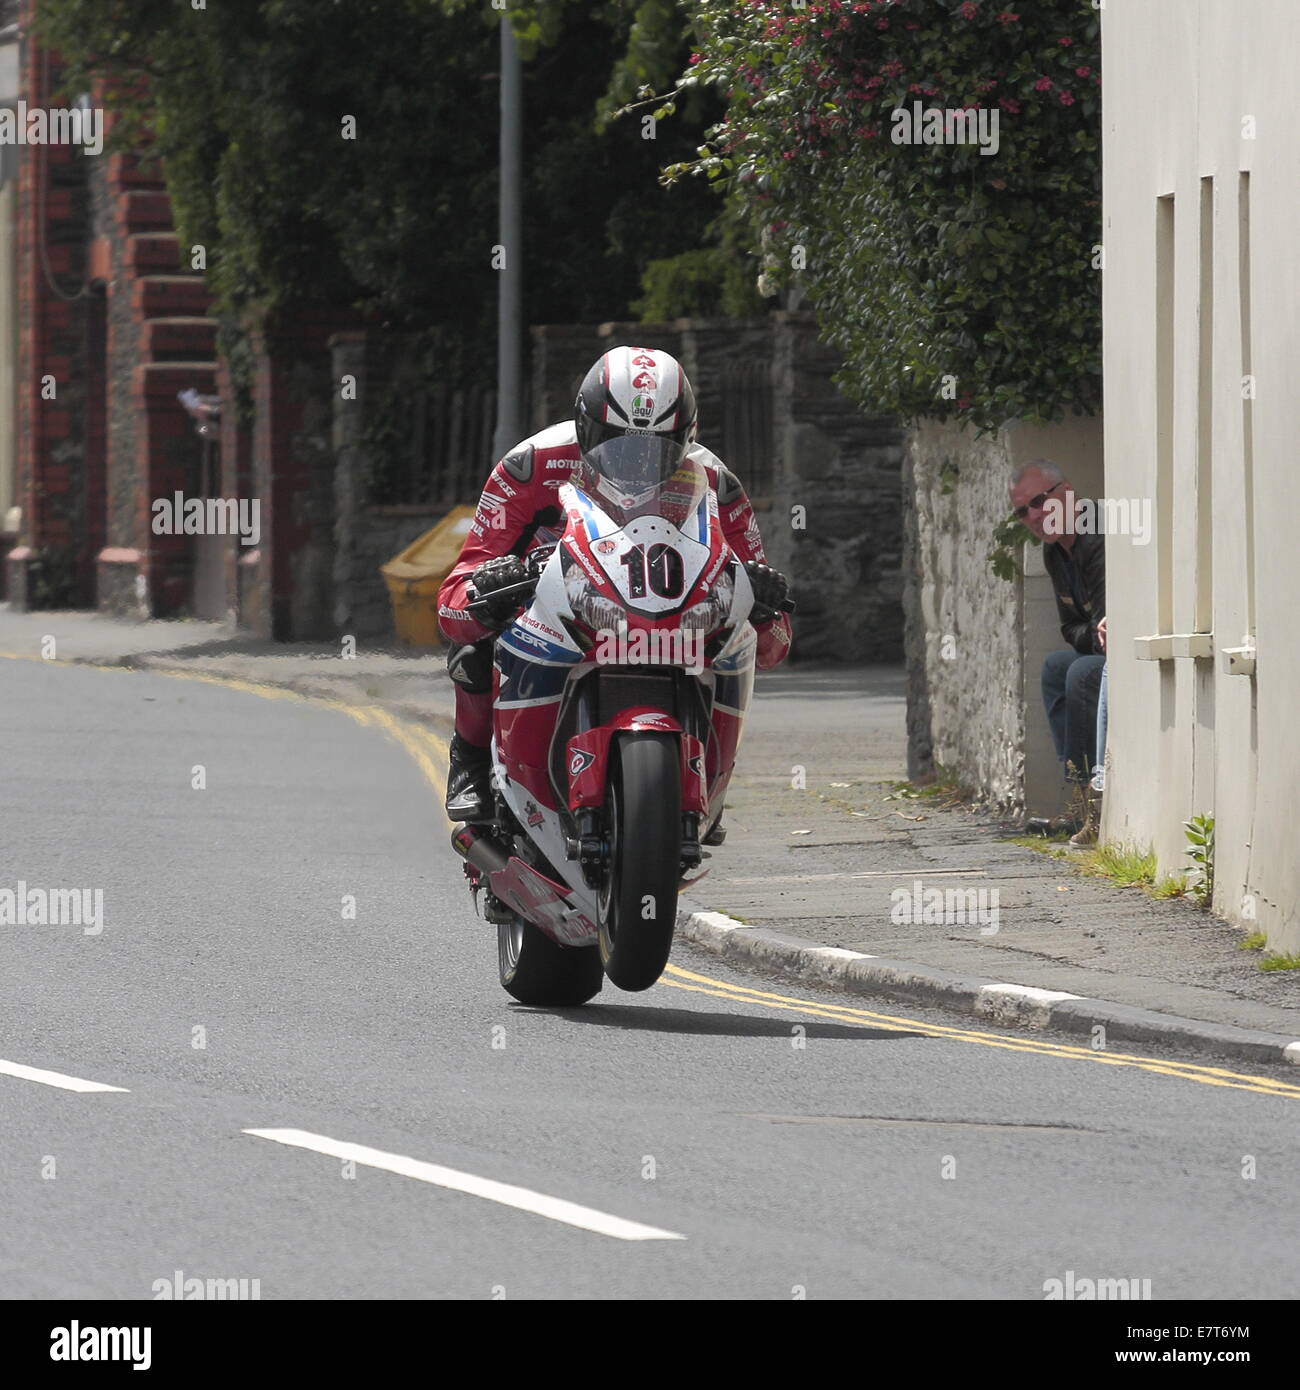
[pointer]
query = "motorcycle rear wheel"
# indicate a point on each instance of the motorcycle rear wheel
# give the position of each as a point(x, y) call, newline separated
point(638, 900)
point(534, 970)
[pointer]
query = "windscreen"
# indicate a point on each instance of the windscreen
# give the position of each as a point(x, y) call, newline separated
point(644, 475)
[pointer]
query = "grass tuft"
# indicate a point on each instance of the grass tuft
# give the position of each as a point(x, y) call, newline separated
point(943, 787)
point(1122, 864)
point(1171, 886)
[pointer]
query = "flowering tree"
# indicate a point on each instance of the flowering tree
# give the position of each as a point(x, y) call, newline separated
point(956, 279)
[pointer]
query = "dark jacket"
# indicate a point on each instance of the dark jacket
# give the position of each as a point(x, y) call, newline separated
point(1079, 579)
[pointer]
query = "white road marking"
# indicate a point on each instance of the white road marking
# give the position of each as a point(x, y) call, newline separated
point(54, 1078)
point(521, 1197)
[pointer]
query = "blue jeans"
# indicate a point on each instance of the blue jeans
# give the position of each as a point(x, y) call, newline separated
point(1099, 768)
point(1071, 686)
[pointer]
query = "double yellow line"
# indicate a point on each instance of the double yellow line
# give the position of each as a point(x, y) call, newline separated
point(429, 753)
point(678, 978)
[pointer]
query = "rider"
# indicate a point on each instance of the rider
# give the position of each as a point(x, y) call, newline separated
point(630, 391)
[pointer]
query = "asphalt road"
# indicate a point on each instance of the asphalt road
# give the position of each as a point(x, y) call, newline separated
point(763, 1141)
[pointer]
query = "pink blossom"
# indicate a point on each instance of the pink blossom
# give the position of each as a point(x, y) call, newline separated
point(1044, 84)
point(968, 10)
point(1083, 72)
point(1006, 17)
point(1065, 43)
point(1066, 99)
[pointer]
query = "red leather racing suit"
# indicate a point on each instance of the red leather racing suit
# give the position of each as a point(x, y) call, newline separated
point(519, 510)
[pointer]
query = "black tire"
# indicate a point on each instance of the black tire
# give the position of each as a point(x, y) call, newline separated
point(644, 825)
point(535, 970)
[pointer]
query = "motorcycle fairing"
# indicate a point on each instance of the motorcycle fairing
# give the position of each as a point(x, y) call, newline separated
point(544, 903)
point(588, 757)
point(541, 671)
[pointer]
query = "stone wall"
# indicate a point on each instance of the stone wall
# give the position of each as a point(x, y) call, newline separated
point(975, 642)
point(963, 621)
point(825, 479)
point(836, 521)
point(381, 533)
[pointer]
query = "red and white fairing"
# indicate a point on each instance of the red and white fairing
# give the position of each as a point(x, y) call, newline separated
point(663, 581)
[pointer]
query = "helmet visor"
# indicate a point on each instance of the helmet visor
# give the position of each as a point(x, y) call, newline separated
point(631, 468)
point(637, 463)
point(643, 474)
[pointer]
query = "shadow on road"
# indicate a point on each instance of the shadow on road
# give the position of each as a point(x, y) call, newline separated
point(687, 1021)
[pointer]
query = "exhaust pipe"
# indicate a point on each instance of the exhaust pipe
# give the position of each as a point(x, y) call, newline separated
point(480, 848)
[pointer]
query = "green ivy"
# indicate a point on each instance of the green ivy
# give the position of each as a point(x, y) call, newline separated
point(925, 262)
point(1009, 538)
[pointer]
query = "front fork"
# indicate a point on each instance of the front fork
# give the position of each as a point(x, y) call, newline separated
point(591, 846)
point(586, 766)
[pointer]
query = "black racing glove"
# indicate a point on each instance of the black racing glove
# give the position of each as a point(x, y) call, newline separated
point(770, 588)
point(501, 572)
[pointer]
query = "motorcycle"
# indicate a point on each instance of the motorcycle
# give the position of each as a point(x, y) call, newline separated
point(619, 696)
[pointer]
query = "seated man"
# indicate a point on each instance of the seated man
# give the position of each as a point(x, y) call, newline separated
point(518, 511)
point(1044, 500)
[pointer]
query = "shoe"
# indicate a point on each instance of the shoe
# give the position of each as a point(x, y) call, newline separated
point(469, 781)
point(1050, 827)
point(717, 835)
point(1086, 836)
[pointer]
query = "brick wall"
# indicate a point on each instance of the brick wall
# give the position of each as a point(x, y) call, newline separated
point(48, 567)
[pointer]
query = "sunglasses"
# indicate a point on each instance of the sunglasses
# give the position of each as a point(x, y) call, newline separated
point(1035, 502)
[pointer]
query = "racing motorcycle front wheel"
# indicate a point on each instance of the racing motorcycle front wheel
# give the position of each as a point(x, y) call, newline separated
point(534, 970)
point(638, 897)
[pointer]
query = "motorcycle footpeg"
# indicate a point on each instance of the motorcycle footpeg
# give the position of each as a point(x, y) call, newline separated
point(495, 911)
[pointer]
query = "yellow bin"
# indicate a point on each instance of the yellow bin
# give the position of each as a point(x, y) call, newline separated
point(415, 574)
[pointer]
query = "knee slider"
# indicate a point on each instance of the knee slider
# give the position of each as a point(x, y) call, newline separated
point(470, 666)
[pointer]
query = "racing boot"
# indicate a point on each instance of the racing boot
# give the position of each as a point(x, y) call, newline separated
point(469, 781)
